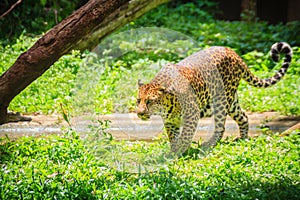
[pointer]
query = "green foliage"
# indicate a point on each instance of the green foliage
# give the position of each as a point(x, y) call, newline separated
point(280, 97)
point(33, 17)
point(66, 167)
point(245, 37)
point(170, 16)
point(9, 53)
point(107, 82)
point(198, 22)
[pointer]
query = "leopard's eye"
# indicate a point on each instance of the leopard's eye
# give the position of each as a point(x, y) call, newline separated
point(138, 101)
point(149, 101)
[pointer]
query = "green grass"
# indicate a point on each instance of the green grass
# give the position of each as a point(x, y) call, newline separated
point(67, 167)
point(280, 98)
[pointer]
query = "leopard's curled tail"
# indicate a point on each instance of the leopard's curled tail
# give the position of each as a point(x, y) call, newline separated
point(276, 49)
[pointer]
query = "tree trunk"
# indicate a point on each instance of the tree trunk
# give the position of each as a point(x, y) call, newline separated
point(126, 14)
point(100, 17)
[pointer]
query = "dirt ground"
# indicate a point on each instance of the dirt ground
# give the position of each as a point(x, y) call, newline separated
point(129, 127)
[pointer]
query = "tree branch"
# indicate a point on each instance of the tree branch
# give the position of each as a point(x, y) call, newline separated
point(126, 13)
point(11, 8)
point(96, 19)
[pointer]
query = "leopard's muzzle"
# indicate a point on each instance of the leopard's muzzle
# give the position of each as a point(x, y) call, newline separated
point(143, 116)
point(143, 112)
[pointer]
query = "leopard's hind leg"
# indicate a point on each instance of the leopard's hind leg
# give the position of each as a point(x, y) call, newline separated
point(236, 113)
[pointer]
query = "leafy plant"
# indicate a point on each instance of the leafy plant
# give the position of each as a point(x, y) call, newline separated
point(67, 167)
point(200, 24)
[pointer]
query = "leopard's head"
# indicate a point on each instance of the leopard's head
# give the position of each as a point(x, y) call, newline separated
point(149, 100)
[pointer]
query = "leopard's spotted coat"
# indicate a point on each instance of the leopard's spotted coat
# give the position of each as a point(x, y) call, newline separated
point(203, 84)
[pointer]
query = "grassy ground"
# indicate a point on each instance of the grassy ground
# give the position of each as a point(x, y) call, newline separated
point(67, 167)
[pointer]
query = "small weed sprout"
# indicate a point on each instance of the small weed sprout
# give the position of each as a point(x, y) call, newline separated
point(100, 130)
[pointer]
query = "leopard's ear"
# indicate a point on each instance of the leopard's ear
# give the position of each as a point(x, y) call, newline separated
point(140, 83)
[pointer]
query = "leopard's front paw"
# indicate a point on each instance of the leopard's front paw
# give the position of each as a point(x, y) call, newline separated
point(237, 138)
point(206, 146)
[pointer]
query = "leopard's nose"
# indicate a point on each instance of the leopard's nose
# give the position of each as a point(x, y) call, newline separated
point(141, 113)
point(141, 109)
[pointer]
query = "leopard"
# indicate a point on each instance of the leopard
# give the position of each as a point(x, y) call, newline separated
point(204, 84)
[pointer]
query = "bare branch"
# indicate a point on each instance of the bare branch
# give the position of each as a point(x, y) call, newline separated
point(11, 8)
